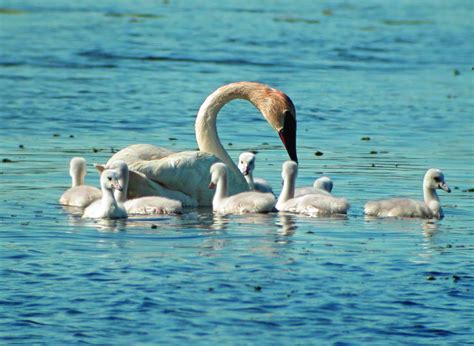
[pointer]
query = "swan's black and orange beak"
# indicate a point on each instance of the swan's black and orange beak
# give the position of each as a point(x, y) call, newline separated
point(288, 136)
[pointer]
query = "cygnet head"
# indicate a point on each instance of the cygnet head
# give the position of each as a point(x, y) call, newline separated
point(289, 170)
point(121, 167)
point(434, 179)
point(109, 180)
point(218, 171)
point(323, 183)
point(77, 170)
point(246, 163)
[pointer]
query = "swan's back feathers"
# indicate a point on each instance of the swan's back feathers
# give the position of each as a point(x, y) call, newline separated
point(247, 202)
point(310, 190)
point(80, 196)
point(261, 185)
point(153, 205)
point(186, 172)
point(136, 152)
point(316, 205)
point(398, 207)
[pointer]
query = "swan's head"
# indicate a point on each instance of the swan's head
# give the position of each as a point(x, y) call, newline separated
point(247, 163)
point(121, 168)
point(77, 167)
point(109, 180)
point(218, 171)
point(434, 179)
point(289, 170)
point(323, 183)
point(280, 113)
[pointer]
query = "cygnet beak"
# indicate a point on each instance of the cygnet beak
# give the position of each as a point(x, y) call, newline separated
point(116, 185)
point(246, 171)
point(212, 186)
point(443, 186)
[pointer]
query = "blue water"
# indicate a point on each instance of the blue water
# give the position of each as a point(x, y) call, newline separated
point(88, 78)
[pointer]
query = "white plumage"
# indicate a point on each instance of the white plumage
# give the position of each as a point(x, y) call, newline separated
point(180, 175)
point(246, 166)
point(311, 204)
point(79, 195)
point(404, 207)
point(149, 205)
point(244, 202)
point(322, 185)
point(107, 207)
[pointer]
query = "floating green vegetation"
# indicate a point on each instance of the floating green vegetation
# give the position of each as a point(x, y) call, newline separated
point(134, 15)
point(327, 12)
point(296, 20)
point(11, 11)
point(406, 22)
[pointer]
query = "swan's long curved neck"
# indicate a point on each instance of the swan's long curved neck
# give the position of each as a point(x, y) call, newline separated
point(430, 195)
point(205, 126)
point(221, 189)
point(288, 189)
point(121, 196)
point(77, 179)
point(108, 201)
point(249, 179)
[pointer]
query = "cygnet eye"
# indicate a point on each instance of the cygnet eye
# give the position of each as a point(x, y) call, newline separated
point(110, 178)
point(437, 179)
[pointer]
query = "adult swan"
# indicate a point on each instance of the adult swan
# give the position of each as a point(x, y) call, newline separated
point(185, 175)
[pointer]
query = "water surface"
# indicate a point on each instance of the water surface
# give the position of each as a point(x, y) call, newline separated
point(88, 78)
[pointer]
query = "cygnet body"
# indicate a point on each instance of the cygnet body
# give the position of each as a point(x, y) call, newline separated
point(430, 208)
point(149, 205)
point(79, 195)
point(247, 166)
point(107, 207)
point(311, 204)
point(322, 185)
point(241, 203)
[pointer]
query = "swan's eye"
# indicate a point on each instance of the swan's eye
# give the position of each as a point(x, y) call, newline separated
point(110, 178)
point(437, 179)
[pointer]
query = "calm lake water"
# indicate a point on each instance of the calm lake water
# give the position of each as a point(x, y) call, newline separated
point(88, 78)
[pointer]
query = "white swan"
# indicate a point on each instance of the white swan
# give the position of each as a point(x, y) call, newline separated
point(246, 166)
point(403, 207)
point(79, 195)
point(312, 204)
point(169, 174)
point(322, 185)
point(107, 207)
point(150, 205)
point(244, 202)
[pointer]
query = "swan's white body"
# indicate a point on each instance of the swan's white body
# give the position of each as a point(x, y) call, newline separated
point(322, 185)
point(180, 175)
point(150, 205)
point(107, 207)
point(246, 166)
point(312, 204)
point(241, 203)
point(430, 208)
point(79, 195)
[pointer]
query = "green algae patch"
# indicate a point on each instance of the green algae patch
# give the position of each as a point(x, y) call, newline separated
point(12, 11)
point(406, 22)
point(134, 15)
point(296, 20)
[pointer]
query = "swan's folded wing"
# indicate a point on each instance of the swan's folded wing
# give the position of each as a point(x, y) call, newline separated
point(186, 171)
point(139, 152)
